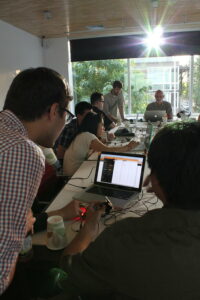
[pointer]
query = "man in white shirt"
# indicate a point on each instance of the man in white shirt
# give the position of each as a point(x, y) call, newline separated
point(114, 101)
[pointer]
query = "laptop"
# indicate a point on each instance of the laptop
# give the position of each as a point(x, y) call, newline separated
point(154, 115)
point(118, 176)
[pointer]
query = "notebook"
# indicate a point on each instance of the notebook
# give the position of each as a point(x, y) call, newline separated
point(154, 115)
point(118, 176)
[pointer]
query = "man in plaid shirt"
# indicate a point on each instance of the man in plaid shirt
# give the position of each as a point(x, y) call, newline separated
point(71, 129)
point(34, 113)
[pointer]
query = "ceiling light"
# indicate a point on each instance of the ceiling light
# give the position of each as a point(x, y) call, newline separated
point(154, 38)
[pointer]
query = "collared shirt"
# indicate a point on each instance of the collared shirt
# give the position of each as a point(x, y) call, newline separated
point(112, 103)
point(164, 105)
point(21, 170)
point(152, 257)
point(68, 134)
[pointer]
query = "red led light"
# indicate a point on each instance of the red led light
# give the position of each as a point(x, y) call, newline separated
point(82, 213)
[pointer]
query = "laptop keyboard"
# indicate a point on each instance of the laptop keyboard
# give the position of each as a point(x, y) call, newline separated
point(110, 192)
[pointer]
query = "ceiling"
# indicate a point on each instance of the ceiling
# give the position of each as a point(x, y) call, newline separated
point(71, 18)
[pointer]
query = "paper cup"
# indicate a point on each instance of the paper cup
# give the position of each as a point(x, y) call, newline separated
point(56, 235)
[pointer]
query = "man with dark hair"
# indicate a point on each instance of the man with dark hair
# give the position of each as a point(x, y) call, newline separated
point(97, 101)
point(33, 113)
point(155, 256)
point(160, 104)
point(70, 130)
point(114, 101)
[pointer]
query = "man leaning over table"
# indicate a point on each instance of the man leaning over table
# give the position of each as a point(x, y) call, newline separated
point(155, 256)
point(114, 101)
point(33, 113)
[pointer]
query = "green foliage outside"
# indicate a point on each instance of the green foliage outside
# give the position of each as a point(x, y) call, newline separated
point(196, 85)
point(96, 76)
point(140, 88)
point(91, 76)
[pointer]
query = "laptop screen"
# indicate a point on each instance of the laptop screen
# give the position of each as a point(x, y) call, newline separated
point(120, 169)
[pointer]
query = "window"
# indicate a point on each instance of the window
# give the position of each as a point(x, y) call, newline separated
point(177, 76)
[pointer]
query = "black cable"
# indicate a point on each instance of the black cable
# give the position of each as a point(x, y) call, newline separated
point(91, 159)
point(72, 178)
point(81, 187)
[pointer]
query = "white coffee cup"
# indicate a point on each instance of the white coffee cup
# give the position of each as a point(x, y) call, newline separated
point(56, 235)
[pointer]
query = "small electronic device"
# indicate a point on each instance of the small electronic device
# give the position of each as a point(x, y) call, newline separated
point(124, 132)
point(108, 206)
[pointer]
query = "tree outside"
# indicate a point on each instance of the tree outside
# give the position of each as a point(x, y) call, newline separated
point(138, 89)
point(96, 76)
point(91, 76)
point(196, 84)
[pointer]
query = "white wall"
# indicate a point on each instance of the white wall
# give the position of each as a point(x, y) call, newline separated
point(18, 50)
point(57, 56)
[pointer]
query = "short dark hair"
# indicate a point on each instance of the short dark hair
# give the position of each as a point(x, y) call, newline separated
point(117, 84)
point(159, 91)
point(174, 158)
point(90, 123)
point(81, 107)
point(95, 97)
point(33, 91)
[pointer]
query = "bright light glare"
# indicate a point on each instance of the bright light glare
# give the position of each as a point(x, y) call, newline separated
point(154, 39)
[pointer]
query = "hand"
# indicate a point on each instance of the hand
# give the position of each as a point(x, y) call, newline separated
point(87, 233)
point(93, 216)
point(111, 136)
point(147, 184)
point(30, 220)
point(132, 145)
point(69, 211)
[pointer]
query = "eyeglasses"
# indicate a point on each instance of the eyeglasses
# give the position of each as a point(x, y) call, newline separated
point(69, 115)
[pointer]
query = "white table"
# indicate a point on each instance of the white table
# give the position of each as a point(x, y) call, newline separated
point(83, 177)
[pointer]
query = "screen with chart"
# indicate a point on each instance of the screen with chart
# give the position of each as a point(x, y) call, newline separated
point(120, 169)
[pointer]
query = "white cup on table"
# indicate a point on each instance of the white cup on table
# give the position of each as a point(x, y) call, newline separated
point(56, 235)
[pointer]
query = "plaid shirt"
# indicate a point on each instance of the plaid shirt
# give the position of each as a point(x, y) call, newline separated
point(68, 134)
point(21, 169)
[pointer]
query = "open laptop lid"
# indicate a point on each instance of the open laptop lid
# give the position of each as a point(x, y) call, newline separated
point(120, 170)
point(154, 115)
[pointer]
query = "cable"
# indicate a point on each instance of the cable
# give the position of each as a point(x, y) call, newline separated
point(91, 159)
point(81, 187)
point(72, 178)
